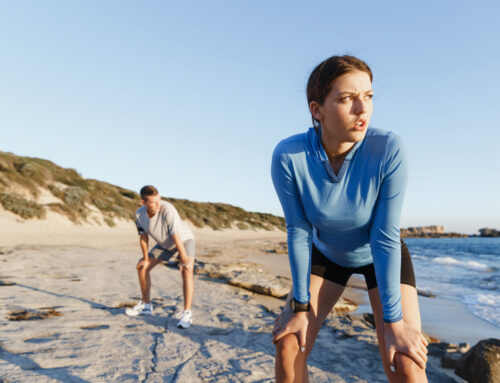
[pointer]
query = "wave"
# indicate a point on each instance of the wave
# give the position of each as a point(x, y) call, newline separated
point(485, 306)
point(450, 261)
point(468, 264)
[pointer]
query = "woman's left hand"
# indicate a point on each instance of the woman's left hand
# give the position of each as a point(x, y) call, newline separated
point(289, 322)
point(282, 319)
point(401, 337)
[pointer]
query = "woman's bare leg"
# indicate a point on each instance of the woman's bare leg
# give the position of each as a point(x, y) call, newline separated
point(291, 364)
point(406, 369)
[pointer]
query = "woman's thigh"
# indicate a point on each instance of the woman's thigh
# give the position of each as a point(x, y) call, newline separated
point(324, 295)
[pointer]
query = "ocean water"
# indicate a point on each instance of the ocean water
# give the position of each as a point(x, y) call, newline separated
point(462, 269)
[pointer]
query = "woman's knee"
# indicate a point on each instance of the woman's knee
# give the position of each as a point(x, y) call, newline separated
point(407, 367)
point(288, 346)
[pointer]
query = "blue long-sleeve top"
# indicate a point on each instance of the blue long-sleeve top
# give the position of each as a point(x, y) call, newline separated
point(352, 217)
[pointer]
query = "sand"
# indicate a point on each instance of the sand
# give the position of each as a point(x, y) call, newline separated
point(81, 278)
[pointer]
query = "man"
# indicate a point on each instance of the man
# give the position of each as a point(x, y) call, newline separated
point(160, 220)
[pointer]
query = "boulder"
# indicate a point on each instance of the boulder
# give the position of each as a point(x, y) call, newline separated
point(481, 364)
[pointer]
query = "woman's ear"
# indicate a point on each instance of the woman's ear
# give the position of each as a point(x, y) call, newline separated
point(315, 110)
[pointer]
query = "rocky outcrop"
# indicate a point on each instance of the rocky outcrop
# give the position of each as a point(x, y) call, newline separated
point(485, 232)
point(429, 232)
point(449, 353)
point(481, 364)
point(249, 276)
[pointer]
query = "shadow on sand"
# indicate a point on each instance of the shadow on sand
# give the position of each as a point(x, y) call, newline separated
point(59, 373)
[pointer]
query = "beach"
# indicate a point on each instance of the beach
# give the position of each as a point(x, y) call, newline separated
point(75, 282)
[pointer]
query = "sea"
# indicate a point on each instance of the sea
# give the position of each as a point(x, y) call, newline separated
point(462, 270)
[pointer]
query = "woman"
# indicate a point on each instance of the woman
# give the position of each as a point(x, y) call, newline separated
point(341, 186)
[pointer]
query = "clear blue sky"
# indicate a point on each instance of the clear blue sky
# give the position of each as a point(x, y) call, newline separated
point(192, 96)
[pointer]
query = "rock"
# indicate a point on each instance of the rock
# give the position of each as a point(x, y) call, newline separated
point(267, 286)
point(429, 232)
point(426, 293)
point(464, 347)
point(485, 232)
point(345, 305)
point(481, 364)
point(450, 360)
point(368, 317)
point(249, 276)
point(278, 248)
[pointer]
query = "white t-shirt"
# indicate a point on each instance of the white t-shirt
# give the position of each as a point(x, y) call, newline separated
point(165, 223)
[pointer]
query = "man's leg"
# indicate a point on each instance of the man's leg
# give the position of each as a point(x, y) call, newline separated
point(187, 276)
point(187, 288)
point(145, 278)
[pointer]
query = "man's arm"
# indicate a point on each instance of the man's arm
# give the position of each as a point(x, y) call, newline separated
point(143, 241)
point(186, 260)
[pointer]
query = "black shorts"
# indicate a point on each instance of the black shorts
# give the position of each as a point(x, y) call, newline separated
point(324, 268)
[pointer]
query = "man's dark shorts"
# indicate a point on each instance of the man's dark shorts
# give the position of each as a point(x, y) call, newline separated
point(159, 252)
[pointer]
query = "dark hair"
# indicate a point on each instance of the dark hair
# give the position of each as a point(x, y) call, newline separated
point(322, 77)
point(147, 191)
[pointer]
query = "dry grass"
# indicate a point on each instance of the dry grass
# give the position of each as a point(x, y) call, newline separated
point(124, 305)
point(33, 314)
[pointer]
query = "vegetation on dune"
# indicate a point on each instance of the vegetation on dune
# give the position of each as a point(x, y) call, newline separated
point(79, 197)
point(19, 205)
point(220, 215)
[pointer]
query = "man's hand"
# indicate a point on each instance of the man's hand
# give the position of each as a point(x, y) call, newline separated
point(186, 263)
point(143, 263)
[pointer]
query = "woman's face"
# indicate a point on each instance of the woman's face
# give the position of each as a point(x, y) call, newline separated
point(347, 109)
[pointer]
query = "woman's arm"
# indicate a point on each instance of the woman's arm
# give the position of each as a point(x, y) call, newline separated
point(386, 250)
point(299, 229)
point(385, 228)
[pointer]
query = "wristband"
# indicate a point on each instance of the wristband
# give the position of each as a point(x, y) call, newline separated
point(299, 307)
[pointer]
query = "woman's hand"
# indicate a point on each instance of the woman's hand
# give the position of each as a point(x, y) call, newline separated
point(400, 337)
point(289, 322)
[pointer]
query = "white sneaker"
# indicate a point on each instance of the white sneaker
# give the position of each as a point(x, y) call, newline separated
point(140, 308)
point(185, 319)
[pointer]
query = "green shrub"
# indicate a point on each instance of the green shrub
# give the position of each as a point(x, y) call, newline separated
point(19, 205)
point(242, 226)
point(75, 196)
point(109, 221)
